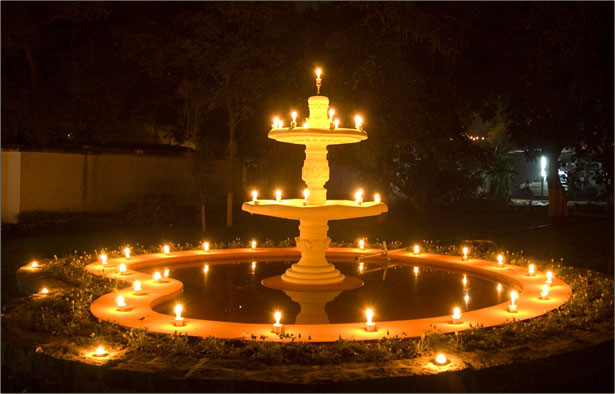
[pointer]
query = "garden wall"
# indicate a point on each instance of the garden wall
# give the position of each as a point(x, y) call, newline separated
point(93, 182)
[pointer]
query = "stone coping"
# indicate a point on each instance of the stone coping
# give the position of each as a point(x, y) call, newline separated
point(140, 314)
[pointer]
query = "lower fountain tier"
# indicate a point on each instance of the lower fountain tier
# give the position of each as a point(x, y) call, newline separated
point(331, 210)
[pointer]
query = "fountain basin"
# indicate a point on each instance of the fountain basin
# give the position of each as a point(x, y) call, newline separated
point(143, 316)
point(303, 136)
point(330, 210)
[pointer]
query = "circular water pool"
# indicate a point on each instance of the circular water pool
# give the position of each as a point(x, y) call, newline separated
point(233, 292)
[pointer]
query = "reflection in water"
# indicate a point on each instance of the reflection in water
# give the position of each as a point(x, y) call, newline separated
point(312, 305)
point(233, 292)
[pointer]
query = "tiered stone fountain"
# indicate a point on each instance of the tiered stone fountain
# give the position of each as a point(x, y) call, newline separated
point(315, 211)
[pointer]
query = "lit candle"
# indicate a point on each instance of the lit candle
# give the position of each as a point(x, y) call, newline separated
point(306, 193)
point(179, 320)
point(44, 290)
point(416, 270)
point(278, 195)
point(127, 252)
point(136, 286)
point(336, 123)
point(34, 264)
point(465, 253)
point(277, 326)
point(441, 359)
point(100, 352)
point(121, 303)
point(281, 123)
point(254, 195)
point(122, 269)
point(331, 113)
point(466, 299)
point(377, 197)
point(500, 260)
point(206, 246)
point(293, 124)
point(166, 273)
point(369, 325)
point(206, 268)
point(166, 249)
point(361, 244)
point(306, 125)
point(549, 278)
point(545, 292)
point(157, 277)
point(358, 197)
point(464, 281)
point(361, 266)
point(253, 244)
point(456, 315)
point(276, 120)
point(358, 122)
point(318, 80)
point(499, 287)
point(531, 270)
point(512, 308)
point(416, 249)
point(103, 258)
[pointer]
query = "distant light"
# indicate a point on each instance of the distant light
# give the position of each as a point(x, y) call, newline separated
point(294, 116)
point(513, 296)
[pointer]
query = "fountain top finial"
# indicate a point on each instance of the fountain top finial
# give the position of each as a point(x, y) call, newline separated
point(318, 80)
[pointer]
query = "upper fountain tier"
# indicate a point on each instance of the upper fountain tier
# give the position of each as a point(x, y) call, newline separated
point(320, 130)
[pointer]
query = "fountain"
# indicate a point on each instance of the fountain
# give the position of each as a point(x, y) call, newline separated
point(315, 211)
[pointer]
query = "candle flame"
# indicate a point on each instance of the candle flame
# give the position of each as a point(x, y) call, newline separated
point(306, 193)
point(361, 244)
point(122, 268)
point(294, 116)
point(499, 287)
point(331, 113)
point(254, 195)
point(178, 311)
point(100, 351)
point(206, 246)
point(513, 296)
point(500, 259)
point(277, 316)
point(278, 195)
point(318, 72)
point(253, 244)
point(206, 268)
point(44, 290)
point(127, 252)
point(358, 121)
point(103, 258)
point(416, 249)
point(441, 359)
point(377, 197)
point(137, 286)
point(120, 301)
point(416, 270)
point(34, 264)
point(456, 313)
point(166, 249)
point(157, 276)
point(369, 314)
point(166, 273)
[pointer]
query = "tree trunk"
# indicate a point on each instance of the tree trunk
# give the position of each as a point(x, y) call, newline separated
point(558, 199)
point(232, 147)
